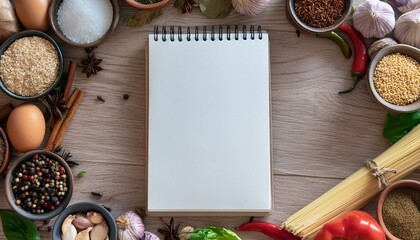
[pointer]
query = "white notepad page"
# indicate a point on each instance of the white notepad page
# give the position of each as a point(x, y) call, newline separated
point(209, 143)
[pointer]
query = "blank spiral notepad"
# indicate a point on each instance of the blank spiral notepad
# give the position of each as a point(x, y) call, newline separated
point(208, 110)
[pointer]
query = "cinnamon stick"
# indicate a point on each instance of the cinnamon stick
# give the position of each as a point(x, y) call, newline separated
point(57, 124)
point(67, 120)
point(70, 78)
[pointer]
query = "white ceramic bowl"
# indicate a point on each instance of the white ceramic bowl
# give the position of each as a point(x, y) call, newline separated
point(399, 48)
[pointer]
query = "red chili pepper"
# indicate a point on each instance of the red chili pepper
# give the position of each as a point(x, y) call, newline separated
point(361, 57)
point(269, 229)
point(353, 225)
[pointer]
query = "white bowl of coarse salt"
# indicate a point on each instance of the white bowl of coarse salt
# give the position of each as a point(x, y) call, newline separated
point(83, 23)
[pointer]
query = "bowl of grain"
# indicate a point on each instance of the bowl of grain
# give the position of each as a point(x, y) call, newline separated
point(328, 15)
point(31, 64)
point(83, 23)
point(148, 5)
point(394, 78)
point(397, 210)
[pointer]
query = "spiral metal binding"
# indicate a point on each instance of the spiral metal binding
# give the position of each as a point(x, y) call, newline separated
point(253, 32)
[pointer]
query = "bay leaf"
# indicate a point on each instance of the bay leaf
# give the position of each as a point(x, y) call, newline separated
point(142, 17)
point(17, 227)
point(215, 8)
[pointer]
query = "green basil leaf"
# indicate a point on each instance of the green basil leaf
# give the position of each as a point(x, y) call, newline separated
point(142, 17)
point(213, 233)
point(215, 8)
point(16, 227)
point(397, 126)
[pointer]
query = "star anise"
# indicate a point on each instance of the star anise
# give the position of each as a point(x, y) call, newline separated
point(188, 6)
point(170, 231)
point(91, 65)
point(57, 104)
point(66, 155)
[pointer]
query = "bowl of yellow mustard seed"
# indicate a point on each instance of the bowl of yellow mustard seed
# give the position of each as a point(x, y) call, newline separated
point(31, 65)
point(394, 78)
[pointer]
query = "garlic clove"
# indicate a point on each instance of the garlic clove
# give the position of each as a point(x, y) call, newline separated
point(84, 235)
point(250, 7)
point(99, 231)
point(67, 224)
point(374, 18)
point(185, 233)
point(81, 222)
point(70, 234)
point(95, 217)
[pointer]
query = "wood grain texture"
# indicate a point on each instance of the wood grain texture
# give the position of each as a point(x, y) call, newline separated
point(319, 137)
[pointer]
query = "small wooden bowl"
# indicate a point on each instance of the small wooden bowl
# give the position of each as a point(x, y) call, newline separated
point(398, 184)
point(148, 7)
point(5, 160)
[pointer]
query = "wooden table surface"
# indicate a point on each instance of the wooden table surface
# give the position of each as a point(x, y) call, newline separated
point(319, 137)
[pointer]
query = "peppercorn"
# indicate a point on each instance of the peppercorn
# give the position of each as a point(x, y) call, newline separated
point(38, 184)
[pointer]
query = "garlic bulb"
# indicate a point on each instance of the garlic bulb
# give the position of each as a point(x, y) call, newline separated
point(405, 5)
point(407, 28)
point(130, 226)
point(374, 18)
point(250, 7)
point(150, 236)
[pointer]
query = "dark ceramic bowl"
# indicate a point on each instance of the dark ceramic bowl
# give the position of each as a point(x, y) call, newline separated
point(398, 48)
point(57, 31)
point(300, 25)
point(84, 207)
point(398, 184)
point(9, 191)
point(148, 7)
point(5, 160)
point(30, 33)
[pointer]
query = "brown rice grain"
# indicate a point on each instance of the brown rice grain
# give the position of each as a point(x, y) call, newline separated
point(397, 79)
point(319, 13)
point(29, 66)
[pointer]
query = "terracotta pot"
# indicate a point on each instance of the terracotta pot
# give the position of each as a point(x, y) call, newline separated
point(398, 184)
point(148, 7)
point(5, 161)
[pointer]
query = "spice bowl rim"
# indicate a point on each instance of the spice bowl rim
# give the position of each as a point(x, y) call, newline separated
point(6, 157)
point(29, 33)
point(52, 13)
point(11, 198)
point(397, 48)
point(395, 185)
point(148, 7)
point(85, 207)
point(300, 25)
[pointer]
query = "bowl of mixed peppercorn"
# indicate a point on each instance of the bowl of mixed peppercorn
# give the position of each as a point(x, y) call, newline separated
point(39, 185)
